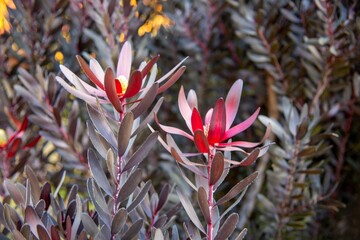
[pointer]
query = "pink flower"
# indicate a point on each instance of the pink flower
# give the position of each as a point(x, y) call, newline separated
point(215, 130)
point(117, 88)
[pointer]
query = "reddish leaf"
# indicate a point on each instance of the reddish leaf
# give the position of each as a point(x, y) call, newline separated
point(110, 89)
point(14, 147)
point(203, 203)
point(201, 142)
point(217, 168)
point(125, 133)
point(251, 158)
point(196, 122)
point(228, 227)
point(172, 80)
point(134, 84)
point(85, 67)
point(149, 65)
point(146, 101)
point(33, 142)
point(217, 122)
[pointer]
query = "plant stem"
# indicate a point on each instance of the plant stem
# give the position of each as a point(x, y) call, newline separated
point(210, 199)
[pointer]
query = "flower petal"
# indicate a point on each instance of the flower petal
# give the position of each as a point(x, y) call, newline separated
point(97, 69)
point(232, 102)
point(217, 123)
point(201, 142)
point(184, 108)
point(110, 90)
point(89, 73)
point(192, 99)
point(124, 61)
point(245, 144)
point(241, 126)
point(134, 84)
point(208, 116)
point(196, 122)
point(173, 130)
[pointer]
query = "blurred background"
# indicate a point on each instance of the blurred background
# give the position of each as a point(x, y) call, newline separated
point(299, 60)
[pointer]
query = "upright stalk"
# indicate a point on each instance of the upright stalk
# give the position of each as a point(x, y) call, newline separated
point(210, 226)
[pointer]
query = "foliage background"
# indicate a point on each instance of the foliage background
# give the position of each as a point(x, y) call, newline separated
point(307, 51)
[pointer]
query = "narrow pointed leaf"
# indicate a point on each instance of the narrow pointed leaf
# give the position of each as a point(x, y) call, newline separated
point(85, 67)
point(251, 158)
point(125, 133)
point(110, 89)
point(89, 224)
point(140, 197)
point(217, 122)
point(189, 209)
point(43, 234)
point(203, 203)
point(163, 197)
point(227, 227)
point(98, 173)
point(141, 152)
point(201, 141)
point(241, 234)
point(149, 65)
point(217, 168)
point(146, 102)
point(172, 80)
point(134, 84)
point(239, 187)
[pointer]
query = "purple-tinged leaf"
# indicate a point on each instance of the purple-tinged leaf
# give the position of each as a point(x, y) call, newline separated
point(163, 197)
point(133, 230)
point(172, 80)
point(201, 141)
point(99, 202)
point(125, 133)
point(17, 235)
point(45, 194)
point(43, 234)
point(15, 192)
point(146, 102)
point(217, 168)
point(239, 187)
point(98, 173)
point(97, 140)
point(33, 220)
point(7, 215)
point(171, 71)
point(85, 67)
point(68, 228)
point(251, 158)
point(134, 84)
point(110, 89)
point(228, 227)
point(241, 234)
point(217, 123)
point(149, 65)
point(132, 182)
point(149, 117)
point(161, 221)
point(140, 197)
point(54, 233)
point(141, 152)
point(203, 203)
point(99, 121)
point(77, 219)
point(119, 221)
point(89, 224)
point(189, 209)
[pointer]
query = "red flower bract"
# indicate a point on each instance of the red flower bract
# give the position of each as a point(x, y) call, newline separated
point(215, 130)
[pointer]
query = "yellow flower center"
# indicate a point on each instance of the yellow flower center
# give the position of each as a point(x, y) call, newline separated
point(121, 84)
point(206, 129)
point(3, 138)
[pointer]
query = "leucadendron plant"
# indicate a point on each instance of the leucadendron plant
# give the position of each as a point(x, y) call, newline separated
point(212, 139)
point(125, 207)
